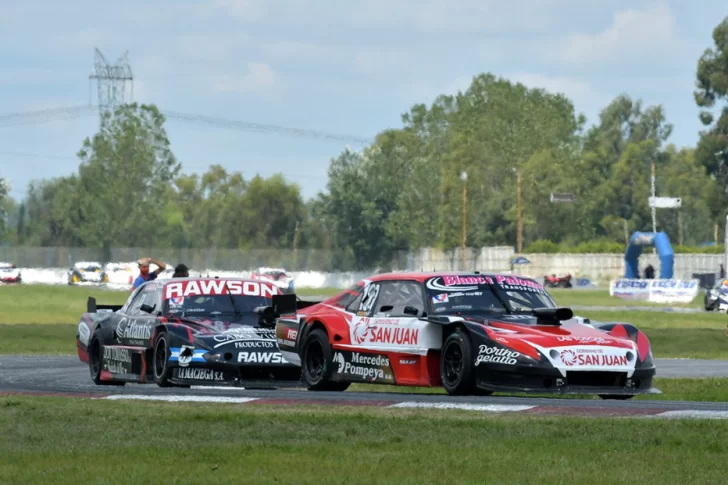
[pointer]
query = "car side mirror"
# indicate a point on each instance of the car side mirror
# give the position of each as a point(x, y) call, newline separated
point(267, 313)
point(147, 308)
point(409, 310)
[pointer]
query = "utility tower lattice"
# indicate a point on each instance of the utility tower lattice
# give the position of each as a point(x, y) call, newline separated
point(111, 80)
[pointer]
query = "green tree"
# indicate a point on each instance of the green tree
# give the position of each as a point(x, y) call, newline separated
point(125, 172)
point(712, 88)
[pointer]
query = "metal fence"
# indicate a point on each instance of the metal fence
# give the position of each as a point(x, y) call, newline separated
point(600, 267)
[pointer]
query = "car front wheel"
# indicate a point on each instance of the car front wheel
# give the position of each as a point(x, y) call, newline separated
point(456, 364)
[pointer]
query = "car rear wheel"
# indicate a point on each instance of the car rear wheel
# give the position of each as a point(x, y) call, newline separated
point(456, 364)
point(317, 363)
point(94, 364)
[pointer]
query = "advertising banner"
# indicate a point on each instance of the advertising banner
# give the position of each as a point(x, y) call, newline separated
point(659, 290)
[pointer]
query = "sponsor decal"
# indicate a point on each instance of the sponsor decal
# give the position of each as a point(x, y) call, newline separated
point(115, 358)
point(261, 358)
point(571, 357)
point(291, 334)
point(587, 340)
point(441, 298)
point(366, 331)
point(83, 333)
point(176, 301)
point(219, 287)
point(198, 374)
point(470, 283)
point(367, 367)
point(131, 330)
point(407, 361)
point(495, 355)
point(249, 344)
point(240, 333)
point(117, 354)
point(184, 360)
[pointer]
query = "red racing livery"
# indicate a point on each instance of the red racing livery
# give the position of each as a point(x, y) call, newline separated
point(470, 333)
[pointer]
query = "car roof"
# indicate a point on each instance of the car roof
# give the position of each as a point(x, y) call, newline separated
point(423, 276)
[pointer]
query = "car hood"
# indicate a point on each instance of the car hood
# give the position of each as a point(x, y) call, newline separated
point(216, 332)
point(570, 332)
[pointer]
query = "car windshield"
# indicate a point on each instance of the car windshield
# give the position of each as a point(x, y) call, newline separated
point(214, 304)
point(475, 293)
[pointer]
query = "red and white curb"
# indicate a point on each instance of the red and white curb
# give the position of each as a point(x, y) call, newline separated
point(582, 411)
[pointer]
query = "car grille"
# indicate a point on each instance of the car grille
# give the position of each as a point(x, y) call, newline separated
point(596, 379)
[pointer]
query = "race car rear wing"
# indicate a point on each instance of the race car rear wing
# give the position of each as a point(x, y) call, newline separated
point(290, 303)
point(93, 307)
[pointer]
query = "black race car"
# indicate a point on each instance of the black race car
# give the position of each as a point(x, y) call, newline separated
point(187, 331)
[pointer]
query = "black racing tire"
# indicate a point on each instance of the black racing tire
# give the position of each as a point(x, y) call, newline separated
point(617, 397)
point(317, 363)
point(95, 351)
point(456, 364)
point(160, 360)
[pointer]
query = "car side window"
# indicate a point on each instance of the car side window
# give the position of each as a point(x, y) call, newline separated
point(349, 296)
point(395, 296)
point(139, 299)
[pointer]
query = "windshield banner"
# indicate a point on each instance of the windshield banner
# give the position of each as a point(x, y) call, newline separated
point(219, 287)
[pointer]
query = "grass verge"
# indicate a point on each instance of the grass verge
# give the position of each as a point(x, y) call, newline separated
point(83, 441)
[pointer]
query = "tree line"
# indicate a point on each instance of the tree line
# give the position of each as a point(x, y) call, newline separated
point(407, 190)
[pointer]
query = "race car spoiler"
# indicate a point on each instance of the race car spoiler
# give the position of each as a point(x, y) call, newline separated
point(93, 307)
point(290, 303)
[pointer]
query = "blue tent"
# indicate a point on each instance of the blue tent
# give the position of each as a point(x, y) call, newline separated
point(660, 241)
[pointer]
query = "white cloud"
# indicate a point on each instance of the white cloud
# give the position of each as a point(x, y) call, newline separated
point(632, 32)
point(259, 77)
point(584, 97)
point(302, 51)
point(421, 15)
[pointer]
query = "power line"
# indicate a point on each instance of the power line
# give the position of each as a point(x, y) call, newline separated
point(54, 114)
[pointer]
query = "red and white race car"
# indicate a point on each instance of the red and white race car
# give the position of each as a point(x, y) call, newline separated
point(9, 274)
point(470, 333)
point(276, 276)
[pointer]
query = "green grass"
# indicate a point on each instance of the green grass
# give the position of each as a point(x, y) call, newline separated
point(83, 441)
point(569, 297)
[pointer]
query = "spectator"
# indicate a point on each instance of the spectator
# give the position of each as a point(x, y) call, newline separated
point(145, 274)
point(181, 271)
point(649, 272)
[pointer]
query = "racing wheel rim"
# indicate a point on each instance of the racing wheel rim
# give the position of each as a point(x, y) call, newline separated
point(95, 358)
point(315, 361)
point(160, 357)
point(453, 363)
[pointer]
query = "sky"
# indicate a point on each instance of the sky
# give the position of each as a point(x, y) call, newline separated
point(344, 67)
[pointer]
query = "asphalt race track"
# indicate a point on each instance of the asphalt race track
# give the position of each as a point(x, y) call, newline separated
point(67, 376)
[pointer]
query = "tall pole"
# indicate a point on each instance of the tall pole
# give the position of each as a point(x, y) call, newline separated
point(464, 178)
point(652, 190)
point(518, 210)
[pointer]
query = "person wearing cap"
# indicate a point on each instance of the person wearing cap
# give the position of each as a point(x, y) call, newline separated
point(145, 274)
point(181, 271)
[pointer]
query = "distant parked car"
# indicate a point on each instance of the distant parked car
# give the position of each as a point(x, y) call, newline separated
point(87, 272)
point(716, 298)
point(9, 274)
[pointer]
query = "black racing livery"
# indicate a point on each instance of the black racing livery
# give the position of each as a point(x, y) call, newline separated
point(187, 331)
